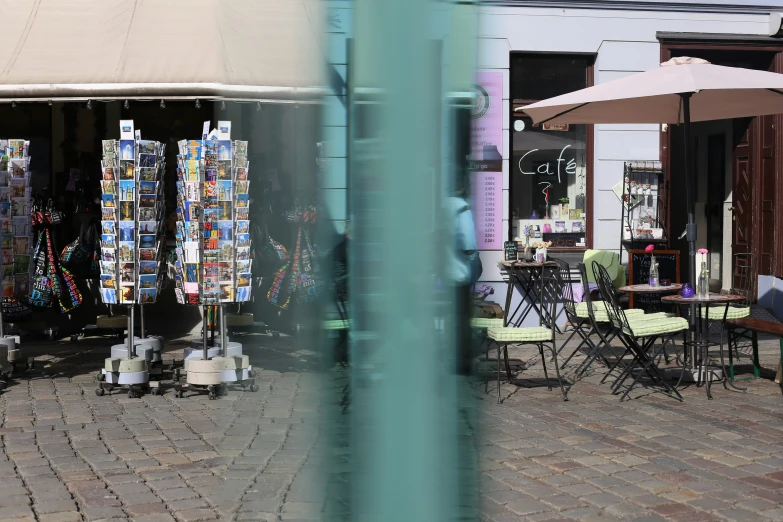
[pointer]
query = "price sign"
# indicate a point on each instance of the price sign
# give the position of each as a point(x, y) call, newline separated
point(487, 205)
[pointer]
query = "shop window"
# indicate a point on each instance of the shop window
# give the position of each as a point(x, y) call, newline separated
point(551, 165)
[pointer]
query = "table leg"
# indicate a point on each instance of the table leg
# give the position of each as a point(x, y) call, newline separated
point(756, 364)
point(509, 293)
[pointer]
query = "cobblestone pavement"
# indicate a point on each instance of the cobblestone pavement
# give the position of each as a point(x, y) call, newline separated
point(650, 458)
point(70, 455)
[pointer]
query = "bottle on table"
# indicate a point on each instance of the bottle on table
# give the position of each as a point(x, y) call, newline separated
point(704, 289)
point(654, 279)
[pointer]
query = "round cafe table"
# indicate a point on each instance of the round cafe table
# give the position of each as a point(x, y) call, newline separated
point(697, 365)
point(649, 290)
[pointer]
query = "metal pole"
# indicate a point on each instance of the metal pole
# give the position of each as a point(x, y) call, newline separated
point(690, 228)
point(204, 329)
point(131, 311)
point(143, 333)
point(223, 333)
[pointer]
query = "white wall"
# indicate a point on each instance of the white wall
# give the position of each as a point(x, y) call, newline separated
point(625, 43)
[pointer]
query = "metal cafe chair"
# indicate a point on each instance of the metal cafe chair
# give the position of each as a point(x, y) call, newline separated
point(540, 336)
point(639, 337)
point(744, 284)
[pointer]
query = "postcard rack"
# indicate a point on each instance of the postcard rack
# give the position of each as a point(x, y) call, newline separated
point(213, 265)
point(644, 205)
point(17, 241)
point(132, 209)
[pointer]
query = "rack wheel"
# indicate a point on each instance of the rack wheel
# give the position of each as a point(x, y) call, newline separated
point(74, 338)
point(132, 393)
point(252, 374)
point(155, 390)
point(254, 387)
point(180, 394)
point(100, 376)
point(99, 392)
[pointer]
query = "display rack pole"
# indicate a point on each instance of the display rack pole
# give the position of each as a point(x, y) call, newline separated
point(204, 325)
point(223, 336)
point(131, 311)
point(143, 333)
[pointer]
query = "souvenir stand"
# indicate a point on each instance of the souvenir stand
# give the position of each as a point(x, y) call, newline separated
point(213, 265)
point(131, 251)
point(16, 238)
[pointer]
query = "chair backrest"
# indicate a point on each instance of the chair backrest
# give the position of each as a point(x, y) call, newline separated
point(551, 286)
point(744, 278)
point(588, 298)
point(610, 260)
point(613, 308)
point(566, 288)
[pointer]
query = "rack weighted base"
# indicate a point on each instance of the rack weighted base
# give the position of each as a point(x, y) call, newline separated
point(131, 374)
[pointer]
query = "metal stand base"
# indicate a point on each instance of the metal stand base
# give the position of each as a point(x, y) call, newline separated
point(692, 375)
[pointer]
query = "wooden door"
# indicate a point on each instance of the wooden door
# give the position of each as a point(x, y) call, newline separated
point(765, 195)
point(743, 185)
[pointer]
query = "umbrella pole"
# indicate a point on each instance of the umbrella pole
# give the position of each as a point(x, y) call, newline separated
point(690, 228)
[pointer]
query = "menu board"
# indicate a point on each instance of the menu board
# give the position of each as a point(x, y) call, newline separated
point(132, 205)
point(15, 226)
point(487, 206)
point(213, 262)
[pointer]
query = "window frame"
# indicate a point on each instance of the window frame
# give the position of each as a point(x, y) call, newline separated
point(589, 146)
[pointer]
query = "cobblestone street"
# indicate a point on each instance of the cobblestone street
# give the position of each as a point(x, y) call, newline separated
point(70, 455)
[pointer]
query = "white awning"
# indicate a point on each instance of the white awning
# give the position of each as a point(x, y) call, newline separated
point(91, 49)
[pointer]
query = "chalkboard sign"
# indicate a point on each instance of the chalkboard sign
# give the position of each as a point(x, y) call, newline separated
point(639, 274)
point(511, 249)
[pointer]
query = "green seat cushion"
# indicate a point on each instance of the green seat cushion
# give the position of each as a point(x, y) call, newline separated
point(335, 324)
point(601, 316)
point(483, 323)
point(734, 312)
point(658, 326)
point(520, 335)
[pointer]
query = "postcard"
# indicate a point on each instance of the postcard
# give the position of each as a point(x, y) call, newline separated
point(191, 211)
point(224, 130)
point(211, 215)
point(5, 209)
point(109, 187)
point(148, 187)
point(107, 201)
point(226, 293)
point(241, 174)
point(147, 281)
point(108, 174)
point(108, 254)
point(191, 273)
point(109, 296)
point(225, 210)
point(108, 241)
point(243, 240)
point(108, 267)
point(21, 264)
point(243, 266)
point(108, 281)
point(147, 214)
point(147, 201)
point(126, 130)
point(243, 200)
point(560, 227)
point(127, 170)
point(192, 190)
point(148, 174)
point(211, 175)
point(18, 168)
point(243, 253)
point(148, 147)
point(241, 162)
point(108, 227)
point(243, 214)
point(242, 187)
point(192, 170)
point(211, 285)
point(127, 150)
point(127, 294)
point(6, 241)
point(147, 241)
point(108, 214)
point(18, 188)
point(126, 231)
point(147, 254)
point(244, 279)
point(16, 149)
point(8, 260)
point(148, 267)
point(147, 295)
point(147, 160)
point(21, 245)
point(241, 148)
point(127, 274)
point(148, 227)
point(127, 190)
point(127, 211)
point(127, 251)
point(224, 150)
point(224, 170)
point(21, 226)
point(109, 147)
point(243, 226)
point(243, 293)
point(225, 190)
point(20, 207)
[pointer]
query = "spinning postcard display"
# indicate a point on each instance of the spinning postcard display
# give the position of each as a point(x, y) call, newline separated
point(213, 263)
point(132, 207)
point(213, 228)
point(131, 252)
point(16, 234)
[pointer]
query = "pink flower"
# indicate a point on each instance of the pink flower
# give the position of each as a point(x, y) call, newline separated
point(649, 249)
point(703, 251)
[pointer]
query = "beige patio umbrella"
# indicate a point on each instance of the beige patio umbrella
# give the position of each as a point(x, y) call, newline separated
point(681, 90)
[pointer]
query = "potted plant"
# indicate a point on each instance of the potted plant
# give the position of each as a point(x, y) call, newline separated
point(541, 248)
